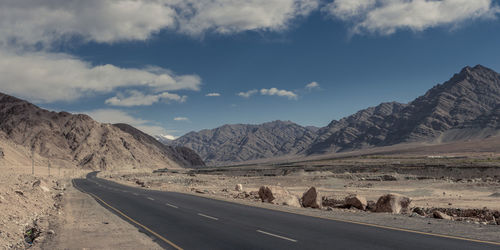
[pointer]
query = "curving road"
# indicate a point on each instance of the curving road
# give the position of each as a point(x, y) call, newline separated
point(182, 221)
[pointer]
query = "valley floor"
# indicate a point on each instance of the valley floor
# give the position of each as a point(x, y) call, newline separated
point(429, 190)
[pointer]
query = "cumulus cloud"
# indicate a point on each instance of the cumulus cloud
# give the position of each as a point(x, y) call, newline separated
point(34, 21)
point(279, 92)
point(108, 21)
point(137, 98)
point(387, 16)
point(212, 94)
point(312, 85)
point(181, 119)
point(248, 93)
point(232, 16)
point(118, 116)
point(30, 30)
point(49, 77)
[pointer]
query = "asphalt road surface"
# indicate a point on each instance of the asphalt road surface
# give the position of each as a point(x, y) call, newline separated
point(182, 221)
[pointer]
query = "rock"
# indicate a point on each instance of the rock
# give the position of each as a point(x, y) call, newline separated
point(392, 203)
point(41, 184)
point(200, 191)
point(19, 192)
point(440, 215)
point(238, 187)
point(332, 202)
point(278, 195)
point(419, 211)
point(356, 201)
point(388, 178)
point(311, 198)
point(370, 206)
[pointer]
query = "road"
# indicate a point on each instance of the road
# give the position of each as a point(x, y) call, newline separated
point(182, 221)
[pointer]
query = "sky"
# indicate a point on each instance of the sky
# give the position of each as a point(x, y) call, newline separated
point(169, 67)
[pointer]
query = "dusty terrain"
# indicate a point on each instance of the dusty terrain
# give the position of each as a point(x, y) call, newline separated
point(45, 212)
point(466, 189)
point(85, 224)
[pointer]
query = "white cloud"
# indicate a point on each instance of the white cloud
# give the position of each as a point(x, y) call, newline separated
point(118, 116)
point(137, 98)
point(168, 137)
point(31, 22)
point(31, 29)
point(212, 94)
point(35, 21)
point(49, 77)
point(231, 16)
point(387, 16)
point(185, 119)
point(312, 85)
point(248, 93)
point(279, 92)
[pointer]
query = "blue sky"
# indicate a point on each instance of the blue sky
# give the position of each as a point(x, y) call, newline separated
point(359, 55)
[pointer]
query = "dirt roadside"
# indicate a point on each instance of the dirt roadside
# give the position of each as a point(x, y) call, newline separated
point(85, 224)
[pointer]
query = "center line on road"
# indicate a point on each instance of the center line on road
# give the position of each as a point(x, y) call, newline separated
point(149, 198)
point(170, 205)
point(277, 236)
point(206, 216)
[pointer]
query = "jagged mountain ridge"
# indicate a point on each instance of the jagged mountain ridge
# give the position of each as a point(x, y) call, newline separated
point(467, 96)
point(466, 106)
point(81, 140)
point(242, 142)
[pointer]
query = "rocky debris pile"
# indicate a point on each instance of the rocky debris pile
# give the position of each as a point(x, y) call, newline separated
point(389, 203)
point(311, 198)
point(253, 195)
point(25, 203)
point(483, 216)
point(278, 195)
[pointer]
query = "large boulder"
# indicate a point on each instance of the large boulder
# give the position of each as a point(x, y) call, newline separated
point(278, 195)
point(311, 198)
point(356, 201)
point(392, 203)
point(238, 187)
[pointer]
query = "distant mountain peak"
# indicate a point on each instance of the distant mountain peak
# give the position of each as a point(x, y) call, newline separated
point(81, 141)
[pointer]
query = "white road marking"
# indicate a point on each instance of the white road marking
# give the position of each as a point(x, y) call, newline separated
point(149, 198)
point(170, 205)
point(277, 236)
point(206, 216)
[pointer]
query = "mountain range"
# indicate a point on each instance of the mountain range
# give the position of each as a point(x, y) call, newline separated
point(79, 140)
point(467, 106)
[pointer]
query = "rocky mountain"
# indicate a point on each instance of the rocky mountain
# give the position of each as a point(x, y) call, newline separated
point(61, 136)
point(242, 142)
point(465, 107)
point(469, 100)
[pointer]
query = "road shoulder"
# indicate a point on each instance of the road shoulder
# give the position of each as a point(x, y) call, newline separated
point(85, 224)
